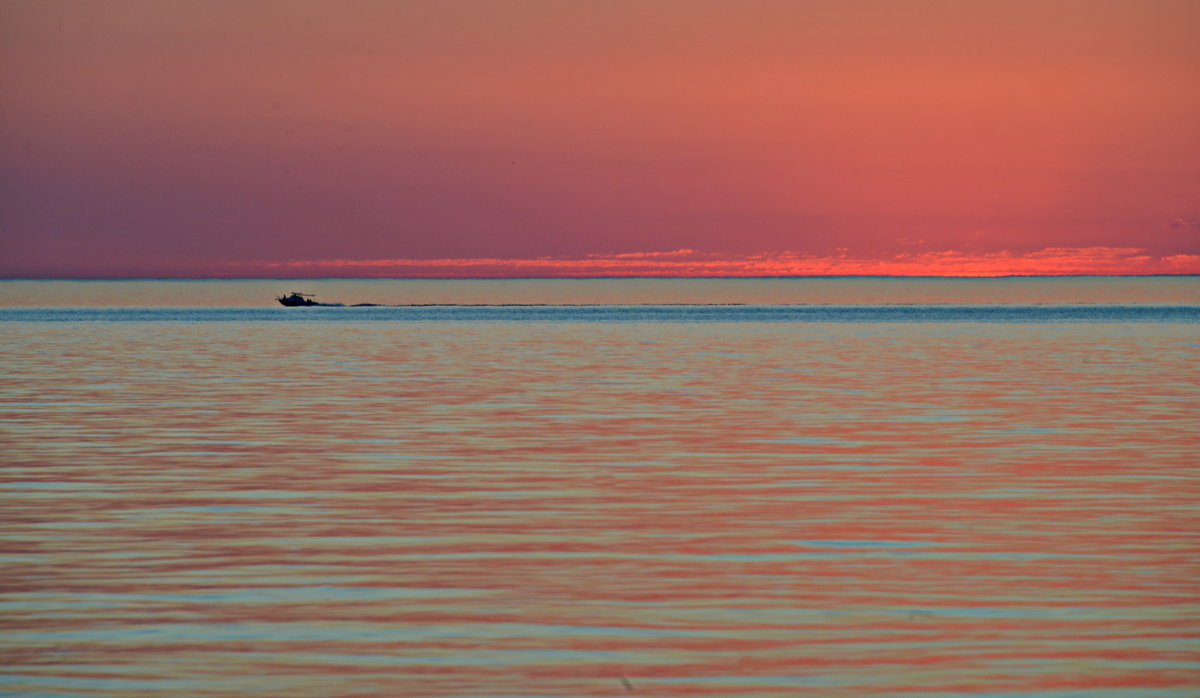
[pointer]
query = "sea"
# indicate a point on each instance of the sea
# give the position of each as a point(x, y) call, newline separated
point(856, 486)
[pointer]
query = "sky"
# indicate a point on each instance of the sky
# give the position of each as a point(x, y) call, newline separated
point(223, 138)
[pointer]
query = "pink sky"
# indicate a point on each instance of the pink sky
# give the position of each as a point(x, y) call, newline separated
point(590, 137)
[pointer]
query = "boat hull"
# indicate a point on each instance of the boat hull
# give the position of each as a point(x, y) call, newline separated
point(296, 302)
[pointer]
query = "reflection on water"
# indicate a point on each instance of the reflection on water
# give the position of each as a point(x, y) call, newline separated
point(231, 508)
point(907, 313)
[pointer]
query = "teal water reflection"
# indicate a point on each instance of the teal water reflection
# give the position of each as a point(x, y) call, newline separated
point(233, 508)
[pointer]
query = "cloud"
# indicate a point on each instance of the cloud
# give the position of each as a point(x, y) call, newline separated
point(1183, 223)
point(682, 252)
point(1051, 261)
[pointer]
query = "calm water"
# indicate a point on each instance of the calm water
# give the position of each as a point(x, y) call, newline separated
point(819, 493)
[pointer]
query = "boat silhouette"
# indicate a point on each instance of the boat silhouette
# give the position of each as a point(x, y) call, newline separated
point(296, 298)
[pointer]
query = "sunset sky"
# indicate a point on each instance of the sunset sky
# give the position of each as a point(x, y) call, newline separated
point(579, 137)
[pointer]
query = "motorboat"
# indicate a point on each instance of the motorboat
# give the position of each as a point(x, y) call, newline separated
point(296, 298)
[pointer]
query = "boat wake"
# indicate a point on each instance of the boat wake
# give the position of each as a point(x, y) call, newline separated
point(506, 305)
point(296, 299)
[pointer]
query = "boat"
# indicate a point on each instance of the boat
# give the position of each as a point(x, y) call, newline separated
point(296, 298)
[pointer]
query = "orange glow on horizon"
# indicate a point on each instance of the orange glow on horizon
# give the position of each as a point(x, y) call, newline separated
point(691, 263)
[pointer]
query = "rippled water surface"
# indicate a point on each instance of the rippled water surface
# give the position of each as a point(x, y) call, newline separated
point(603, 501)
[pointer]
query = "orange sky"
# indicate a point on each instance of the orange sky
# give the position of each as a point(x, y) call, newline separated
point(898, 136)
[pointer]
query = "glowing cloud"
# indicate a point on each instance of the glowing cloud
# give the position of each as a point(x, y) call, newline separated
point(1055, 261)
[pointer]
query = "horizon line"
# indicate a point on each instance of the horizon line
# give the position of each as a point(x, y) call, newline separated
point(590, 277)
